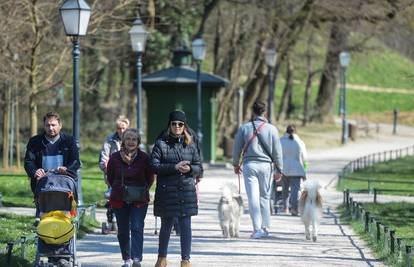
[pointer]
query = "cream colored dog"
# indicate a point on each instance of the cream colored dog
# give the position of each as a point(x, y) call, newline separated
point(230, 209)
point(310, 208)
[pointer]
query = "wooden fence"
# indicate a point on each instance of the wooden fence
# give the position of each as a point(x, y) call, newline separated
point(397, 248)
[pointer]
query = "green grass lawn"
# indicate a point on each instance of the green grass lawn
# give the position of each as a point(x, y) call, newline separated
point(400, 169)
point(381, 67)
point(398, 216)
point(13, 227)
point(377, 66)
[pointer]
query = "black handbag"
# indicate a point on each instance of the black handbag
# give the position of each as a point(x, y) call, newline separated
point(133, 193)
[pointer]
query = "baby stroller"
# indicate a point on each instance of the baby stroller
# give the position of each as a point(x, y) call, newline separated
point(276, 202)
point(56, 198)
point(110, 224)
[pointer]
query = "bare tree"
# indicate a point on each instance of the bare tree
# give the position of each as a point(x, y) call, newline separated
point(342, 16)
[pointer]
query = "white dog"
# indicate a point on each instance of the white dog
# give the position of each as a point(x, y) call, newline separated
point(230, 209)
point(310, 207)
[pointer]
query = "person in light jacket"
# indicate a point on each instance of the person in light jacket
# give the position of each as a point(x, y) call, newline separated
point(262, 160)
point(294, 168)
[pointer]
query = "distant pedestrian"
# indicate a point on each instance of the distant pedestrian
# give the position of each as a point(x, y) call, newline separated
point(176, 161)
point(257, 142)
point(111, 145)
point(51, 150)
point(130, 167)
point(294, 168)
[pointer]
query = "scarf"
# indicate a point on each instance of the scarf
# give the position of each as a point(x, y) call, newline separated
point(128, 156)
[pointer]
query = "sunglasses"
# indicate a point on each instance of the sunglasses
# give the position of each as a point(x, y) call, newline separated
point(177, 124)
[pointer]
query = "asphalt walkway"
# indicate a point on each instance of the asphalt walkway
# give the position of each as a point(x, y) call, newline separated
point(337, 244)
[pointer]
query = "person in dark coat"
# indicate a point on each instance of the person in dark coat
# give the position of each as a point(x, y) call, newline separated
point(51, 150)
point(176, 161)
point(129, 166)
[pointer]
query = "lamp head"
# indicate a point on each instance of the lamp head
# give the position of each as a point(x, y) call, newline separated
point(344, 58)
point(271, 57)
point(138, 35)
point(75, 16)
point(199, 49)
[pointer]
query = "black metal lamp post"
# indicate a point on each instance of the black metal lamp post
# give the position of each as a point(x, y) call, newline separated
point(75, 16)
point(138, 39)
point(270, 58)
point(199, 53)
point(344, 58)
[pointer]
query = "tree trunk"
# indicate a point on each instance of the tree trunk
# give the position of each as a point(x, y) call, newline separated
point(308, 84)
point(257, 78)
point(328, 85)
point(131, 93)
point(255, 90)
point(33, 115)
point(33, 83)
point(208, 8)
point(231, 67)
point(217, 41)
point(308, 88)
point(110, 76)
point(151, 14)
point(290, 106)
point(18, 156)
point(6, 126)
point(287, 91)
point(123, 96)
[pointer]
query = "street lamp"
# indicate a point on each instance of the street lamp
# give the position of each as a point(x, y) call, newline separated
point(75, 16)
point(270, 58)
point(138, 39)
point(199, 53)
point(344, 58)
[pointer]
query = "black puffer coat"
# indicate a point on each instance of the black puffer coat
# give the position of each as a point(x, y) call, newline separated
point(175, 194)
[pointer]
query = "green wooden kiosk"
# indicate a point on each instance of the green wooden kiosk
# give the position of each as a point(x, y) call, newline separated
point(176, 88)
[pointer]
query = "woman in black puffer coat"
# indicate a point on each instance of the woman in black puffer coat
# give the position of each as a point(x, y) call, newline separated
point(176, 161)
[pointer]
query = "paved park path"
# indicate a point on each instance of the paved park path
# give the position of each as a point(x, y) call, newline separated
point(337, 244)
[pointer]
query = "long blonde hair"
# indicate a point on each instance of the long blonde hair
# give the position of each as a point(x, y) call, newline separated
point(188, 139)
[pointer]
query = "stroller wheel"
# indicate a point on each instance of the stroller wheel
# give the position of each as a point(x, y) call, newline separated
point(105, 229)
point(114, 227)
point(77, 264)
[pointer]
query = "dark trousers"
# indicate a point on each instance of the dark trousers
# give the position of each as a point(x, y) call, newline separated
point(130, 219)
point(185, 236)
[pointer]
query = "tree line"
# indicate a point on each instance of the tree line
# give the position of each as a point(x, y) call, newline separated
point(308, 35)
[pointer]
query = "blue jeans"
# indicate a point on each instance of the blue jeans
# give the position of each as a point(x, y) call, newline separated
point(185, 236)
point(130, 219)
point(294, 183)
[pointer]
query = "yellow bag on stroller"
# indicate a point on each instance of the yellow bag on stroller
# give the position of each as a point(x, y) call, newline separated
point(55, 227)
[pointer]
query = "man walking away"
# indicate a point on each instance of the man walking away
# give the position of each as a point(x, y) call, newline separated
point(257, 154)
